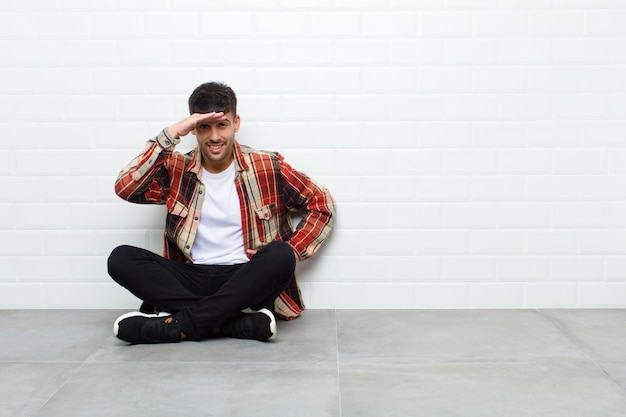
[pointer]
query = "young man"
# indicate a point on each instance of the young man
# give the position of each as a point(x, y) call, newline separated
point(230, 249)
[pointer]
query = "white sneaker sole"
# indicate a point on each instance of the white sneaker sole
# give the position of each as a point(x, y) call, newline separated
point(116, 324)
point(272, 322)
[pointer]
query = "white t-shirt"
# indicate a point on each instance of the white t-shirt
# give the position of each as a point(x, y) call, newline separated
point(219, 239)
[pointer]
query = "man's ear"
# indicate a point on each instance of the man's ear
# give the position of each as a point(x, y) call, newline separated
point(237, 122)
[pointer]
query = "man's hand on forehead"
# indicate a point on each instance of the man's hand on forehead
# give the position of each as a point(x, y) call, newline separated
point(187, 125)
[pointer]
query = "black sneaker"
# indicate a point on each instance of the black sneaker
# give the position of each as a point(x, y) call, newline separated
point(137, 327)
point(251, 324)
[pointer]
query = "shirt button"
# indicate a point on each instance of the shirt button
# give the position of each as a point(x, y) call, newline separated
point(195, 218)
point(187, 247)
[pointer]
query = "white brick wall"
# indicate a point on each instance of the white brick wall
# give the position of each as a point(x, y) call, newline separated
point(476, 149)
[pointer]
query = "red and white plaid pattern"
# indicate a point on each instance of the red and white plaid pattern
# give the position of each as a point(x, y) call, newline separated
point(269, 189)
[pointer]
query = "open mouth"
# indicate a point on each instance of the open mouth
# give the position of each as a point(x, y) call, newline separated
point(215, 147)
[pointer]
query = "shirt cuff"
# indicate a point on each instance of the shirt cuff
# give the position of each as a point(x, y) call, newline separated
point(166, 141)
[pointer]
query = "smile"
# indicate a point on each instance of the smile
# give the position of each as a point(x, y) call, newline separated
point(215, 148)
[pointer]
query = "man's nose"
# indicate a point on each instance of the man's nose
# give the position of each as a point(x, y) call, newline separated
point(213, 134)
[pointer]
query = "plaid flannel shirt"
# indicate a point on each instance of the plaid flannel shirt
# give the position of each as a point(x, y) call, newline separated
point(268, 188)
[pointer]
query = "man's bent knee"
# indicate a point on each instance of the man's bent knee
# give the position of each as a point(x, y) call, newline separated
point(281, 252)
point(118, 259)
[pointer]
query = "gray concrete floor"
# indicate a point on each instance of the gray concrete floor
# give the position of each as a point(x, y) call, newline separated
point(349, 363)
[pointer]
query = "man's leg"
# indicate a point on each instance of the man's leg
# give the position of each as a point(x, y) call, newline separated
point(204, 297)
point(166, 284)
point(256, 285)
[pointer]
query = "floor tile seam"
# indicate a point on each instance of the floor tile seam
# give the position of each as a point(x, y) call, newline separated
point(566, 333)
point(61, 385)
point(601, 367)
point(402, 362)
point(581, 346)
point(40, 362)
point(225, 362)
point(337, 364)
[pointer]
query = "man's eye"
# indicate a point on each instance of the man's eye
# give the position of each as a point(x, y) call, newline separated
point(203, 126)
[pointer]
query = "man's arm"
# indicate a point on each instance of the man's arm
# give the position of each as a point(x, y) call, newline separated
point(189, 124)
point(319, 211)
point(138, 182)
point(145, 178)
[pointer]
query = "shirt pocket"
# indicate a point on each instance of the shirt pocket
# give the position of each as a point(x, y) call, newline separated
point(266, 222)
point(176, 208)
point(176, 216)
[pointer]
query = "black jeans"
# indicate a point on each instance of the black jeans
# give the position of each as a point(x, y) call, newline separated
point(202, 297)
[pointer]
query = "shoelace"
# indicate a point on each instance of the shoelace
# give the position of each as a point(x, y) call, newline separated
point(159, 330)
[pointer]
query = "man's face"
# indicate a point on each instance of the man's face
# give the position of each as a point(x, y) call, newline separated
point(216, 140)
